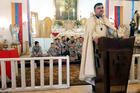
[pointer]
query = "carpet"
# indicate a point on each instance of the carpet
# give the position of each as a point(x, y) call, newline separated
point(74, 75)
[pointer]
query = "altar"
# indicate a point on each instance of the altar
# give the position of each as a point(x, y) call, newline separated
point(8, 54)
point(75, 31)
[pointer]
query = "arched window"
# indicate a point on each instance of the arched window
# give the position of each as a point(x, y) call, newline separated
point(34, 24)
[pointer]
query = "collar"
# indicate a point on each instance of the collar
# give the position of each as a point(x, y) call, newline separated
point(97, 16)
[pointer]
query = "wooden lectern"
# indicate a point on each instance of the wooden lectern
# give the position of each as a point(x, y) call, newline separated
point(113, 60)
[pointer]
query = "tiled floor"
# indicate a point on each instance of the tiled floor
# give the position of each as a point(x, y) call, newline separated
point(73, 89)
point(134, 88)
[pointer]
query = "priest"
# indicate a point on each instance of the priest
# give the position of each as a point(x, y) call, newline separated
point(97, 26)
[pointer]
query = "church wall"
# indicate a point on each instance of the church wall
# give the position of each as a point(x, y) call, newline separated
point(86, 7)
point(5, 16)
point(137, 6)
point(44, 8)
point(6, 19)
point(126, 9)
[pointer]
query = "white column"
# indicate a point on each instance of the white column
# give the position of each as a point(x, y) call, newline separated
point(13, 71)
point(32, 74)
point(42, 73)
point(51, 72)
point(60, 71)
point(3, 74)
point(23, 75)
point(132, 75)
point(68, 71)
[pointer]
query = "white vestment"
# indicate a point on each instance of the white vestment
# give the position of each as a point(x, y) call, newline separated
point(95, 27)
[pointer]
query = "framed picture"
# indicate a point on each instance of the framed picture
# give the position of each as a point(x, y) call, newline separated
point(66, 9)
point(34, 24)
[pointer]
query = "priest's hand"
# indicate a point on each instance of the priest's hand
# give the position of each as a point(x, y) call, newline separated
point(36, 55)
point(124, 37)
point(96, 40)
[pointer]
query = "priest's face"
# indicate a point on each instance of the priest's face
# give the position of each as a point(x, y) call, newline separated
point(99, 10)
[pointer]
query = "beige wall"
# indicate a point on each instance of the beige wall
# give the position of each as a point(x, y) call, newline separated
point(44, 8)
point(126, 9)
point(86, 7)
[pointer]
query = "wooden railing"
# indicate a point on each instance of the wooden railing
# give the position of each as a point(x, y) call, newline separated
point(135, 69)
point(22, 62)
point(134, 73)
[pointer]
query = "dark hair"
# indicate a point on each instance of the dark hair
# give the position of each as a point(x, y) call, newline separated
point(62, 37)
point(36, 42)
point(73, 43)
point(98, 4)
point(136, 11)
point(52, 43)
point(67, 39)
point(56, 39)
point(72, 36)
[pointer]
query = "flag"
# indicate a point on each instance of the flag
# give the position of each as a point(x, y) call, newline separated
point(17, 19)
point(118, 16)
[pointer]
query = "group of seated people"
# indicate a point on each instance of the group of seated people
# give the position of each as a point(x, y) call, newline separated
point(62, 47)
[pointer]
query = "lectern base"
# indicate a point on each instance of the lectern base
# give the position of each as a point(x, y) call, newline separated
point(113, 62)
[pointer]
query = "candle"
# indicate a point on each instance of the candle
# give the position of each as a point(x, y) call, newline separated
point(60, 11)
point(73, 12)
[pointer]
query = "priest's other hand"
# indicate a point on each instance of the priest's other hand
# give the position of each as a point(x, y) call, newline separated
point(36, 55)
point(124, 37)
point(96, 40)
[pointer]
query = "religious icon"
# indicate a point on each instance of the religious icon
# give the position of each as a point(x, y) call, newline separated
point(132, 27)
point(15, 33)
